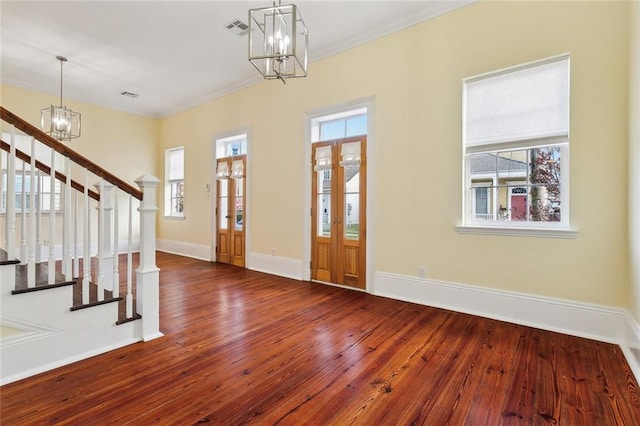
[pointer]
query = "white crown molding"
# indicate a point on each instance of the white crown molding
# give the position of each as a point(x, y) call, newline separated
point(435, 9)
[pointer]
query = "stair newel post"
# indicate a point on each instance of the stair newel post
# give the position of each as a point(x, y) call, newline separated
point(66, 229)
point(86, 244)
point(147, 274)
point(31, 266)
point(116, 274)
point(51, 263)
point(11, 198)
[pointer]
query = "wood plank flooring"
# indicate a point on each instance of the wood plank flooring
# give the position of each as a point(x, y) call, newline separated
point(242, 347)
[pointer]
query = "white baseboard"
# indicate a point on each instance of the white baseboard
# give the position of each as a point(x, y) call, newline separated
point(598, 322)
point(66, 361)
point(275, 265)
point(196, 251)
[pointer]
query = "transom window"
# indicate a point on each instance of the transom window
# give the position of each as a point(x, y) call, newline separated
point(516, 146)
point(231, 146)
point(340, 125)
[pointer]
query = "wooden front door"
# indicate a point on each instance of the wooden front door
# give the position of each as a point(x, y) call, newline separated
point(230, 213)
point(338, 213)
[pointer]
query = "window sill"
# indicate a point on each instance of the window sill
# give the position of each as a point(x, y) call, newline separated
point(174, 217)
point(517, 231)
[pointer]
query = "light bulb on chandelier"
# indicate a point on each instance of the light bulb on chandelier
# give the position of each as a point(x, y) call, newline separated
point(60, 122)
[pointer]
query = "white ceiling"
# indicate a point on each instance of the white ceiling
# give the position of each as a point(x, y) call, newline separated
point(174, 54)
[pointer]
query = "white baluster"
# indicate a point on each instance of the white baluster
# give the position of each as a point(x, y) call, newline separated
point(31, 268)
point(100, 242)
point(86, 261)
point(4, 231)
point(105, 258)
point(39, 219)
point(129, 300)
point(66, 228)
point(76, 226)
point(11, 198)
point(116, 274)
point(23, 215)
point(51, 264)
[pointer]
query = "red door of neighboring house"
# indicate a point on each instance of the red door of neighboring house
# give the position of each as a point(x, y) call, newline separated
point(518, 207)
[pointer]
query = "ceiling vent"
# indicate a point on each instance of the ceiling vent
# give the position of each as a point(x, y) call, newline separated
point(237, 27)
point(129, 94)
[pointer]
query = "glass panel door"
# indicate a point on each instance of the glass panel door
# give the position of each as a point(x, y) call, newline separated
point(324, 203)
point(338, 219)
point(231, 214)
point(223, 203)
point(352, 202)
point(239, 204)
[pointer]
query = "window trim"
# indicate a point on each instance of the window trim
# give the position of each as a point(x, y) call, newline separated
point(520, 231)
point(468, 225)
point(168, 183)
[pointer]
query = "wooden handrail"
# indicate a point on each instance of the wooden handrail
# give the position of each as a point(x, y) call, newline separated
point(43, 167)
point(47, 140)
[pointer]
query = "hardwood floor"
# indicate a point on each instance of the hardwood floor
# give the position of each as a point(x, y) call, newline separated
point(245, 347)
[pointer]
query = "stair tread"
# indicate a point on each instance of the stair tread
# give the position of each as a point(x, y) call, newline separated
point(93, 296)
point(4, 259)
point(42, 279)
point(60, 281)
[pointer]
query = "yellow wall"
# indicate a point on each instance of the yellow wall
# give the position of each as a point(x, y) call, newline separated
point(123, 143)
point(634, 155)
point(415, 76)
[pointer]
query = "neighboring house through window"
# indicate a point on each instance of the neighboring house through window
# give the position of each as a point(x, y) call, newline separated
point(516, 146)
point(174, 182)
point(22, 177)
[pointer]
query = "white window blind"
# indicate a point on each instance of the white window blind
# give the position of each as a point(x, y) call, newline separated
point(514, 107)
point(175, 159)
point(323, 158)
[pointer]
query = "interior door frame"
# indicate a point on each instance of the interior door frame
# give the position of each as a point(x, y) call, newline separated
point(310, 117)
point(211, 190)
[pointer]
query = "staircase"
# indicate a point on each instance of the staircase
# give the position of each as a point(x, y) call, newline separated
point(68, 254)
